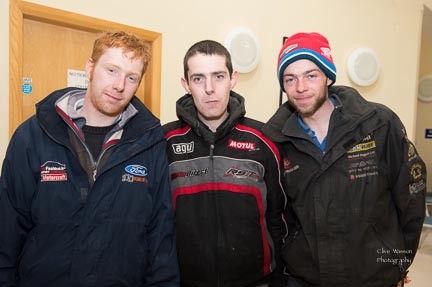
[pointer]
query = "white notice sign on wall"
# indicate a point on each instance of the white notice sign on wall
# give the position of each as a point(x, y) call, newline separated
point(77, 79)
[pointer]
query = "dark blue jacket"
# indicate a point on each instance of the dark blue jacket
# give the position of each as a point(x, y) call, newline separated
point(59, 229)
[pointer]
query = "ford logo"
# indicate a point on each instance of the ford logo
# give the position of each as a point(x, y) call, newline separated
point(136, 169)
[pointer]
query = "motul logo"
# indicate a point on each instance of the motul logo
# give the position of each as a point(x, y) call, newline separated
point(241, 145)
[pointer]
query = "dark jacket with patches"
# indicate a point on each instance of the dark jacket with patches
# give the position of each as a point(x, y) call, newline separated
point(228, 198)
point(356, 211)
point(58, 228)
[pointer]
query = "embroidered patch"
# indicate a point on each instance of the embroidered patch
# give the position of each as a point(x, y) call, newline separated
point(53, 171)
point(411, 152)
point(183, 148)
point(243, 173)
point(135, 173)
point(289, 166)
point(287, 163)
point(363, 147)
point(362, 159)
point(416, 171)
point(189, 173)
point(136, 169)
point(250, 146)
point(130, 178)
point(415, 187)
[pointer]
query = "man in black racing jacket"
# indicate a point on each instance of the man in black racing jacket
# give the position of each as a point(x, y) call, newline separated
point(355, 184)
point(225, 177)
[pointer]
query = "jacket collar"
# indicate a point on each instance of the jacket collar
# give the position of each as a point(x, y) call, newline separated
point(350, 110)
point(58, 111)
point(187, 112)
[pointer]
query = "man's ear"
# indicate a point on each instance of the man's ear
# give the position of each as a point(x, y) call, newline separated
point(89, 68)
point(185, 85)
point(329, 82)
point(234, 78)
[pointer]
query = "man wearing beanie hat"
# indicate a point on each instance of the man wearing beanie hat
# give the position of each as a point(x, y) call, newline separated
point(355, 183)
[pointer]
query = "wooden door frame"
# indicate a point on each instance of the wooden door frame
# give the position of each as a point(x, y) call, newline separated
point(20, 10)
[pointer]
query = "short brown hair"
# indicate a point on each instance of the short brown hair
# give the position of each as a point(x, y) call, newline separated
point(207, 47)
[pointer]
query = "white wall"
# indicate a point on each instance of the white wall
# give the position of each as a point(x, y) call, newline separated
point(393, 30)
point(424, 109)
point(4, 77)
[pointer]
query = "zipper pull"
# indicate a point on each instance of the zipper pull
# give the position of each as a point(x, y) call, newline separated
point(94, 174)
point(211, 150)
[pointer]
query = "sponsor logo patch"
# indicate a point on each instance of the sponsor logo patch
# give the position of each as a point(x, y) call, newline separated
point(53, 171)
point(415, 187)
point(250, 146)
point(243, 173)
point(183, 148)
point(135, 173)
point(130, 178)
point(136, 169)
point(189, 173)
point(416, 171)
point(363, 147)
point(289, 166)
point(362, 159)
point(411, 152)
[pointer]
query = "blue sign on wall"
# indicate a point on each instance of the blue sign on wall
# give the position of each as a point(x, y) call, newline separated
point(428, 133)
point(27, 88)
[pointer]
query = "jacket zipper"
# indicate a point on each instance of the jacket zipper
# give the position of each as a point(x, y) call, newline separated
point(211, 151)
point(218, 275)
point(95, 163)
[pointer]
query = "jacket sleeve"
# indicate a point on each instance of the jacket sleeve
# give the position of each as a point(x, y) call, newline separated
point(276, 203)
point(163, 266)
point(408, 172)
point(16, 189)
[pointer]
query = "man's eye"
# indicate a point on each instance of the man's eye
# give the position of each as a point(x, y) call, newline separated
point(133, 79)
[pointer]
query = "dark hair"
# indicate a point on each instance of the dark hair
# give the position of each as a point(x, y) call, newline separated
point(207, 47)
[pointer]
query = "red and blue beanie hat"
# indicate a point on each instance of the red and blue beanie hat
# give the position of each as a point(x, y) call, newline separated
point(311, 46)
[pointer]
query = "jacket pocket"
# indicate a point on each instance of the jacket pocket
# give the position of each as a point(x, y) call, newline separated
point(298, 257)
point(390, 261)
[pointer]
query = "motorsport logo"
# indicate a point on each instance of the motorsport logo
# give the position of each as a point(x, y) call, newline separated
point(361, 147)
point(53, 171)
point(135, 173)
point(190, 173)
point(250, 146)
point(182, 148)
point(243, 173)
point(289, 166)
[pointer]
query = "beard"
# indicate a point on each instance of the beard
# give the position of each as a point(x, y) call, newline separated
point(310, 111)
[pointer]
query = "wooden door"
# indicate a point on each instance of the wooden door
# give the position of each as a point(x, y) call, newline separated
point(49, 51)
point(47, 45)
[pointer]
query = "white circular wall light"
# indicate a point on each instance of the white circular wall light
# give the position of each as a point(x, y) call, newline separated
point(425, 89)
point(363, 66)
point(244, 48)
